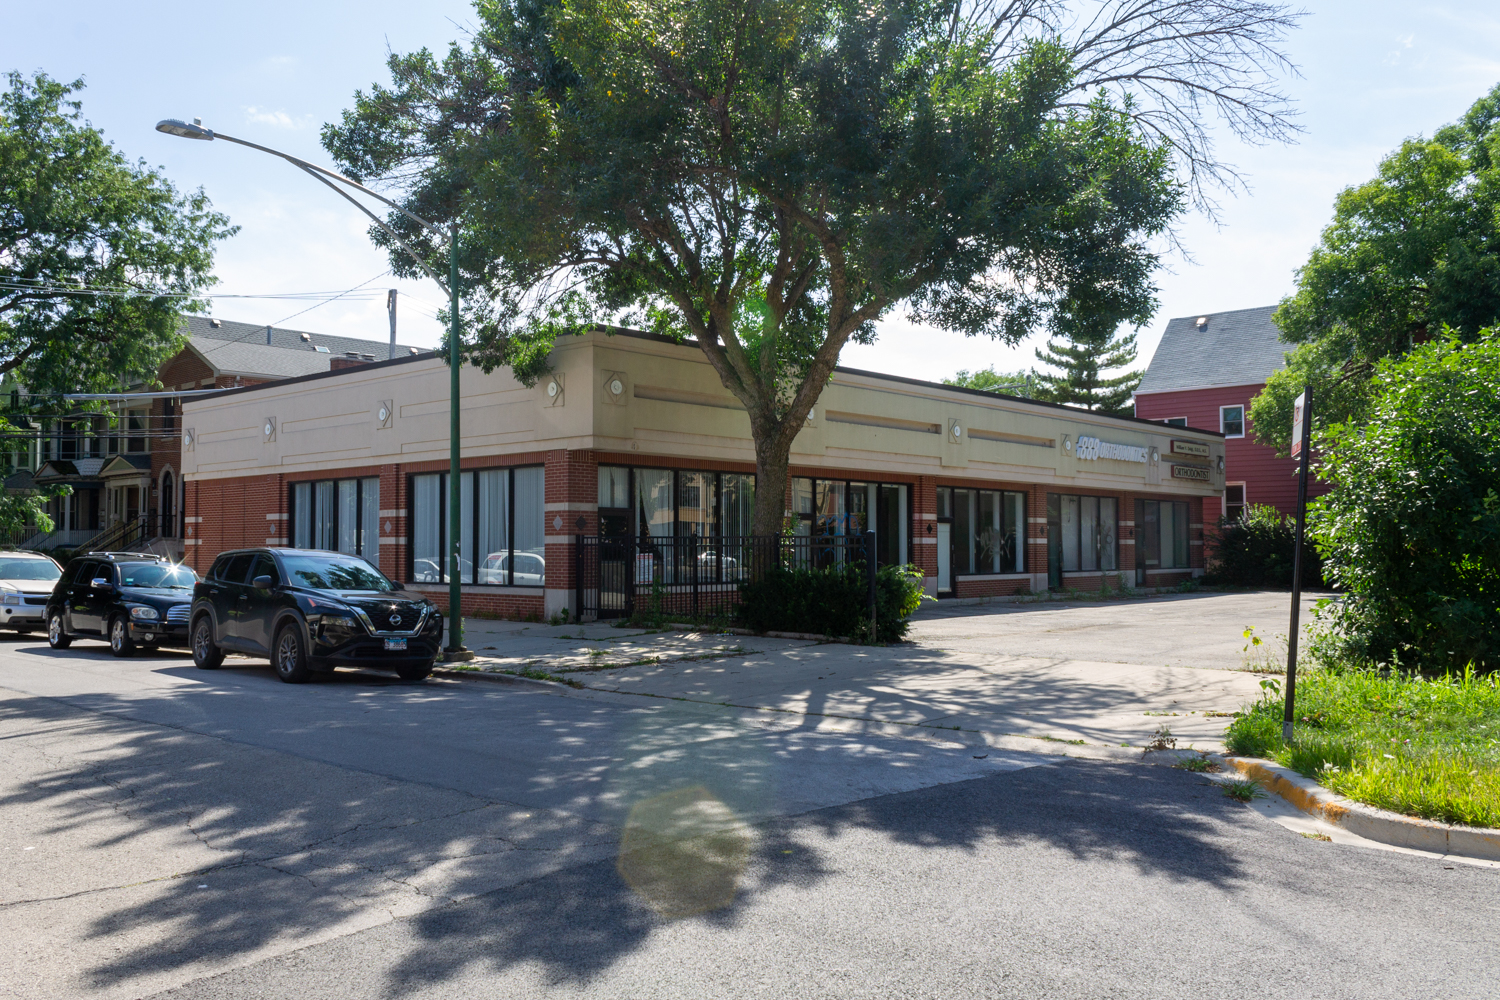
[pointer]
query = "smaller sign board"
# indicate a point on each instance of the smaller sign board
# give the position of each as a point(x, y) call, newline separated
point(645, 567)
point(1298, 409)
point(1197, 472)
point(1197, 448)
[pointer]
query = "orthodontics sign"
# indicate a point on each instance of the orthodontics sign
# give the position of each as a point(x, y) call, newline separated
point(1091, 448)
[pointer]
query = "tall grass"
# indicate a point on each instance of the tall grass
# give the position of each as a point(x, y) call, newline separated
point(1424, 746)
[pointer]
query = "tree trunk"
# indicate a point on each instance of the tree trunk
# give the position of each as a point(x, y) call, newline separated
point(772, 457)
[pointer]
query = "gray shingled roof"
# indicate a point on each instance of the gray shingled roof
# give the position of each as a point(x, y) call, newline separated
point(250, 333)
point(1234, 348)
point(236, 357)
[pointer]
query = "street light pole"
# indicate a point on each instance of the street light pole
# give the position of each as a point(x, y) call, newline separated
point(171, 126)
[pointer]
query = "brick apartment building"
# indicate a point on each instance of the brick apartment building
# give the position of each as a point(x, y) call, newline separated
point(634, 436)
point(1204, 374)
point(131, 472)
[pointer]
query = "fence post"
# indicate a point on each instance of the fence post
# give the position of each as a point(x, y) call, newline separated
point(693, 555)
point(870, 573)
point(630, 571)
point(578, 578)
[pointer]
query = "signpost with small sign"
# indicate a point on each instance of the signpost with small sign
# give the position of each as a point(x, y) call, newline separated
point(1301, 446)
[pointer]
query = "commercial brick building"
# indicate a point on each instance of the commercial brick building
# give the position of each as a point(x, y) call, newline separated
point(634, 436)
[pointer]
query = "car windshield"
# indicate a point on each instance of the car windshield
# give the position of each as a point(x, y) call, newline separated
point(155, 574)
point(335, 573)
point(21, 568)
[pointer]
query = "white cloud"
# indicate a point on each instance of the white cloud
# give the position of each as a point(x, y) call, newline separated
point(276, 119)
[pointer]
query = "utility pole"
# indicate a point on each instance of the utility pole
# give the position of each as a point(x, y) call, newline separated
point(1301, 448)
point(390, 307)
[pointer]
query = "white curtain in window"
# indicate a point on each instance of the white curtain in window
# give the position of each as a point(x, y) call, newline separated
point(427, 535)
point(531, 517)
point(1015, 532)
point(1168, 534)
point(348, 494)
point(323, 516)
point(1070, 532)
point(738, 503)
point(653, 502)
point(614, 486)
point(1107, 527)
point(1088, 532)
point(369, 519)
point(494, 526)
point(466, 520)
point(302, 516)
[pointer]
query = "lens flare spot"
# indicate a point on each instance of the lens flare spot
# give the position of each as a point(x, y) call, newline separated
point(684, 852)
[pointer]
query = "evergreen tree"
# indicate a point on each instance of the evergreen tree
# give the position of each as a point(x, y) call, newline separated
point(1083, 358)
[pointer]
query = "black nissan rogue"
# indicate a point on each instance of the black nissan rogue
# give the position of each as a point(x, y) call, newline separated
point(126, 598)
point(310, 610)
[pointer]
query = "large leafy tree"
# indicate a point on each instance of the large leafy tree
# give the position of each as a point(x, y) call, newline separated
point(770, 178)
point(99, 256)
point(1408, 254)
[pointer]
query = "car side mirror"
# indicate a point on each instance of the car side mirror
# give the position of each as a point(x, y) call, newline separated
point(263, 582)
point(100, 583)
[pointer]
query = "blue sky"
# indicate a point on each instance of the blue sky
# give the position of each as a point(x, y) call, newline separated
point(1373, 74)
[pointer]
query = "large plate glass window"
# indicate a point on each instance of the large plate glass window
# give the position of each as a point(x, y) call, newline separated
point(1161, 535)
point(341, 515)
point(825, 508)
point(983, 530)
point(501, 533)
point(1082, 533)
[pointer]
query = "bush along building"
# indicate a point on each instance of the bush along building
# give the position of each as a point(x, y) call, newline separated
point(1204, 373)
point(126, 470)
point(633, 437)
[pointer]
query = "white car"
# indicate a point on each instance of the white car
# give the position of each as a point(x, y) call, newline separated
point(530, 569)
point(27, 580)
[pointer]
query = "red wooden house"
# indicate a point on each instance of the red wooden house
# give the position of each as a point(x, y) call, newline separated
point(1204, 373)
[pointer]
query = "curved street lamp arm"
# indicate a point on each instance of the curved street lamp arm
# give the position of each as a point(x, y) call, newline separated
point(373, 218)
point(305, 165)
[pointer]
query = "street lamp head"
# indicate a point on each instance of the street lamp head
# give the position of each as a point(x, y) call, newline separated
point(172, 126)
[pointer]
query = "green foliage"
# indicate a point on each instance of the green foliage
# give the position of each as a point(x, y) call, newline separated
point(770, 179)
point(1083, 358)
point(1258, 549)
point(832, 601)
point(76, 219)
point(1408, 254)
point(1423, 746)
point(75, 214)
point(1011, 383)
point(1411, 528)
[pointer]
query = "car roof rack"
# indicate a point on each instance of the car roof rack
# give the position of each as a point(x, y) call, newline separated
point(153, 556)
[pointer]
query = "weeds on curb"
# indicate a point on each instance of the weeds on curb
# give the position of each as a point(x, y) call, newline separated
point(1318, 836)
point(1162, 739)
point(1243, 789)
point(1201, 764)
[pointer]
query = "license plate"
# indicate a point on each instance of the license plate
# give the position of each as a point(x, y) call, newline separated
point(395, 645)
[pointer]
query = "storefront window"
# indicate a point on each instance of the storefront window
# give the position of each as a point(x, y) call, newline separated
point(668, 503)
point(341, 515)
point(1081, 535)
point(502, 529)
point(1162, 535)
point(984, 529)
point(828, 508)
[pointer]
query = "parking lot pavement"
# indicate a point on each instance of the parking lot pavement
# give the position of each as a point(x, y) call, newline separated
point(1104, 673)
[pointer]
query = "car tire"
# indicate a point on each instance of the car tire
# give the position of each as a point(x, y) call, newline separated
point(56, 637)
point(289, 655)
point(206, 655)
point(414, 673)
point(120, 642)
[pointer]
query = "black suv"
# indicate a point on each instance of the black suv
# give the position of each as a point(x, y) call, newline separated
point(125, 598)
point(309, 611)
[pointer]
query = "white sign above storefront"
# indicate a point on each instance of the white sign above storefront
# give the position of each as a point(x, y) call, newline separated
point(1091, 448)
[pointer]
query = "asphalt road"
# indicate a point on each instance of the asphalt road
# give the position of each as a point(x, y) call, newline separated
point(219, 834)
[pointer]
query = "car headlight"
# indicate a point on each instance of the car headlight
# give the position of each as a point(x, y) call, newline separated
point(144, 614)
point(340, 621)
point(11, 599)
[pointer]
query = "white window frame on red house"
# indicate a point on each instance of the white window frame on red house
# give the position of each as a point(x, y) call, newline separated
point(1236, 406)
point(1244, 499)
point(1176, 422)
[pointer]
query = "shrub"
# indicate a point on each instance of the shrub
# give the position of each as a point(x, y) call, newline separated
point(832, 601)
point(1257, 550)
point(1411, 528)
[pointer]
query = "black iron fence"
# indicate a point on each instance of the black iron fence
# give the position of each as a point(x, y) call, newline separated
point(688, 575)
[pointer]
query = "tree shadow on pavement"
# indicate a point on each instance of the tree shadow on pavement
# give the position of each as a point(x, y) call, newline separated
point(255, 848)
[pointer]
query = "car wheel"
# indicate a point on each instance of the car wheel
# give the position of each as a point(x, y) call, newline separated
point(120, 642)
point(289, 656)
point(206, 655)
point(414, 673)
point(56, 637)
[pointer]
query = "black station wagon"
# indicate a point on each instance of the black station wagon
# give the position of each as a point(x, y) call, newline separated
point(310, 611)
point(128, 599)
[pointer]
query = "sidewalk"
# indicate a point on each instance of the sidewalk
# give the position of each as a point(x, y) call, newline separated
point(1017, 670)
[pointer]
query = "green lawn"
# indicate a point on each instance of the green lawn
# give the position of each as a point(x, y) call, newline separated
point(1420, 746)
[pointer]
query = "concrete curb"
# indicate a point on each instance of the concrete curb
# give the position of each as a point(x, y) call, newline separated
point(1367, 821)
point(496, 677)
